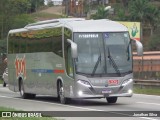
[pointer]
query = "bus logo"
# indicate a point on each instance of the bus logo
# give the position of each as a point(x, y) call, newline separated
point(113, 82)
point(20, 66)
point(88, 36)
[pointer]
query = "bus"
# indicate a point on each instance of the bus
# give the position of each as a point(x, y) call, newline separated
point(72, 58)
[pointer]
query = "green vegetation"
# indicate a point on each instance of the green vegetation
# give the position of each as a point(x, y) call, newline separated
point(6, 109)
point(154, 42)
point(23, 118)
point(101, 13)
point(18, 13)
point(1, 81)
point(15, 14)
point(148, 91)
point(45, 15)
point(29, 118)
point(143, 11)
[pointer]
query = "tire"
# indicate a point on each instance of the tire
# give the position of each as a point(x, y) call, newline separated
point(61, 95)
point(23, 94)
point(31, 96)
point(4, 84)
point(21, 90)
point(111, 99)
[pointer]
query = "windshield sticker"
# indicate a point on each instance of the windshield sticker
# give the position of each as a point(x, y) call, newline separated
point(106, 35)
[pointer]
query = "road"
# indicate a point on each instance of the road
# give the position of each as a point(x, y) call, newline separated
point(138, 102)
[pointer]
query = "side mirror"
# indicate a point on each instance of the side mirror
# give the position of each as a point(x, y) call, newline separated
point(139, 47)
point(73, 48)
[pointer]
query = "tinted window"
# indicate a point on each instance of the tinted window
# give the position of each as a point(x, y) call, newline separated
point(47, 40)
point(67, 52)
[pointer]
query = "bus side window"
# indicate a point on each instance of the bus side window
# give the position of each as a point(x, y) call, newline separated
point(68, 59)
point(69, 62)
point(67, 52)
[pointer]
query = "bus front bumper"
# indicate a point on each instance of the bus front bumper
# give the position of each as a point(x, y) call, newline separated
point(102, 92)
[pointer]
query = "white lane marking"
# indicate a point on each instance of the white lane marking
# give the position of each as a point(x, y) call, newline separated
point(146, 95)
point(58, 104)
point(148, 103)
point(148, 118)
point(77, 107)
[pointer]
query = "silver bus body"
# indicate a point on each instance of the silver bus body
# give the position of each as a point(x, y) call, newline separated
point(71, 58)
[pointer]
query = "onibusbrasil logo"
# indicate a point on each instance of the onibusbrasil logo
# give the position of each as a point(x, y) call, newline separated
point(20, 66)
point(20, 114)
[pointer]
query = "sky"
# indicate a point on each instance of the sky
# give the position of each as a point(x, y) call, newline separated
point(45, 1)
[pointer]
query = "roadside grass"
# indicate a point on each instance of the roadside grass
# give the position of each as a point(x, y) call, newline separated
point(45, 16)
point(4, 109)
point(1, 81)
point(148, 91)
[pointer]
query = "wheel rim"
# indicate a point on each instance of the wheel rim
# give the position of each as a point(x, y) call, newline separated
point(21, 90)
point(61, 94)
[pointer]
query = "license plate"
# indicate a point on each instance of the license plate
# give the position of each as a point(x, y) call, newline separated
point(113, 82)
point(106, 91)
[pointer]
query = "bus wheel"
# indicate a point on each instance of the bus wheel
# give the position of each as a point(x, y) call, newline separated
point(111, 99)
point(61, 93)
point(23, 94)
point(21, 90)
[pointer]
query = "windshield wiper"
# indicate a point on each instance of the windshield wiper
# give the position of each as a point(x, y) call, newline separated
point(113, 63)
point(96, 65)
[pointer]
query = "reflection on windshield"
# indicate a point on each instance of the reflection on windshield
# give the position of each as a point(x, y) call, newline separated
point(89, 50)
point(94, 49)
point(96, 65)
point(113, 63)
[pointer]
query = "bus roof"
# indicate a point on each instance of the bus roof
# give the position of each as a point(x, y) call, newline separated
point(18, 30)
point(62, 20)
point(76, 25)
point(102, 25)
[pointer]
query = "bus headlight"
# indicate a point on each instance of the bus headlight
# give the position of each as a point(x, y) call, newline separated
point(125, 82)
point(84, 83)
point(80, 93)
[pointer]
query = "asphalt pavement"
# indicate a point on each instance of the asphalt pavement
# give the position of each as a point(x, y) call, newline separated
point(144, 107)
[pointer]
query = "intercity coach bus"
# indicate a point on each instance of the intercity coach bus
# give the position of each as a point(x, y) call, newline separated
point(72, 58)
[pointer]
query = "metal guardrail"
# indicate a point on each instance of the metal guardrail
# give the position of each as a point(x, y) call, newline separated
point(147, 83)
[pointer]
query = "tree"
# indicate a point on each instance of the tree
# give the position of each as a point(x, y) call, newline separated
point(101, 13)
point(137, 10)
point(20, 6)
point(3, 12)
point(21, 20)
point(120, 15)
point(144, 12)
point(154, 43)
point(11, 12)
point(35, 4)
point(125, 3)
point(153, 17)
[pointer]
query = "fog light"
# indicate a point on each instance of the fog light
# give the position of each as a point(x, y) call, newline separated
point(130, 91)
point(80, 93)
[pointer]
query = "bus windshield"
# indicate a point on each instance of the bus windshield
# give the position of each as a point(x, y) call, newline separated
point(107, 53)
